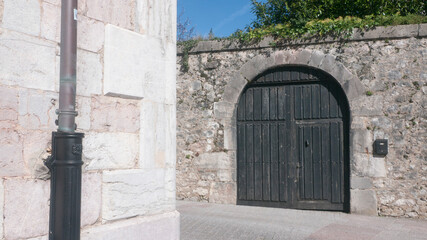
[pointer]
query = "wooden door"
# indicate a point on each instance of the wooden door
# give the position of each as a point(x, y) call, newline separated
point(292, 134)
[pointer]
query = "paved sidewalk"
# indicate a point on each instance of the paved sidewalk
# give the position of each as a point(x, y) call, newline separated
point(204, 221)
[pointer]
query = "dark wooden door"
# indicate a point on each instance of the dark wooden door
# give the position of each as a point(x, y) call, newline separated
point(292, 134)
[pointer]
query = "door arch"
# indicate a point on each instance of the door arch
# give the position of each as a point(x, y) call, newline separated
point(293, 141)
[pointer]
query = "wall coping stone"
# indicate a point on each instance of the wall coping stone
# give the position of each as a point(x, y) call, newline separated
point(378, 33)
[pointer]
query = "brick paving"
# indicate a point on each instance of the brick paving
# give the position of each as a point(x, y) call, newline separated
point(204, 221)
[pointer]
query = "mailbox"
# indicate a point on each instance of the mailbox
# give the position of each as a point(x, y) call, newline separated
point(381, 147)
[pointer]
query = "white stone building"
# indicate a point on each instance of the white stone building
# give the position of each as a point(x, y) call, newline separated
point(126, 104)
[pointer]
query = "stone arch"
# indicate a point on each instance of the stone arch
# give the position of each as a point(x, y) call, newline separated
point(226, 109)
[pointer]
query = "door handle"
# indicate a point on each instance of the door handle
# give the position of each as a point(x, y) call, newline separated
point(307, 143)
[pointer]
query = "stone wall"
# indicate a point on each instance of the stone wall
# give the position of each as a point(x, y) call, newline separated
point(383, 74)
point(126, 103)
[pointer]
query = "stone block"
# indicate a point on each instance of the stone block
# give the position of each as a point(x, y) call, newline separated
point(36, 148)
point(26, 61)
point(26, 212)
point(362, 106)
point(8, 107)
point(89, 73)
point(91, 198)
point(226, 175)
point(366, 165)
point(137, 66)
point(224, 193)
point(130, 193)
point(215, 160)
point(117, 12)
point(361, 183)
point(83, 107)
point(254, 67)
point(37, 109)
point(51, 22)
point(363, 202)
point(22, 16)
point(234, 88)
point(110, 150)
point(361, 140)
point(90, 34)
point(230, 137)
point(422, 31)
point(11, 148)
point(387, 32)
point(160, 227)
point(303, 57)
point(316, 58)
point(158, 135)
point(115, 114)
point(223, 110)
point(1, 207)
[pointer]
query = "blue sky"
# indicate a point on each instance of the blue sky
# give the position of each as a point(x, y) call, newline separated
point(223, 16)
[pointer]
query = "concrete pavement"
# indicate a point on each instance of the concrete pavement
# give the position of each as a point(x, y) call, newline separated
point(204, 221)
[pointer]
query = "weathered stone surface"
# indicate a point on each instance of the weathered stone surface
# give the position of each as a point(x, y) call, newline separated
point(157, 135)
point(223, 110)
point(129, 193)
point(137, 66)
point(51, 22)
point(153, 10)
point(89, 73)
point(28, 217)
point(223, 193)
point(90, 35)
point(11, 160)
point(37, 109)
point(363, 106)
point(22, 16)
point(387, 32)
point(27, 61)
point(363, 202)
point(91, 198)
point(215, 160)
point(361, 183)
point(9, 103)
point(369, 166)
point(1, 207)
point(37, 148)
point(110, 150)
point(83, 107)
point(422, 32)
point(117, 12)
point(361, 140)
point(115, 114)
point(161, 227)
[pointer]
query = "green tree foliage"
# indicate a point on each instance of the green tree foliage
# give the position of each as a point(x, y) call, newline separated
point(294, 18)
point(299, 12)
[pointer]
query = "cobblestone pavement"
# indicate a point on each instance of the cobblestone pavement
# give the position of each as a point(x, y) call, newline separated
point(204, 221)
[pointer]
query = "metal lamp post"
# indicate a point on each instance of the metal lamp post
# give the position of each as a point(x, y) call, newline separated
point(66, 161)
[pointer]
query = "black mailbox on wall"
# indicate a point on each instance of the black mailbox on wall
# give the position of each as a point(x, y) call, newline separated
point(381, 147)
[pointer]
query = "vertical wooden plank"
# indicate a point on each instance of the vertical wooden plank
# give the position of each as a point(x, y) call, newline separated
point(335, 168)
point(257, 103)
point(250, 161)
point(341, 160)
point(273, 103)
point(286, 75)
point(258, 161)
point(265, 103)
point(308, 163)
point(295, 76)
point(241, 161)
point(326, 162)
point(304, 74)
point(241, 107)
point(281, 105)
point(274, 162)
point(300, 162)
point(249, 102)
point(317, 167)
point(307, 101)
point(315, 101)
point(268, 77)
point(283, 187)
point(333, 103)
point(298, 102)
point(324, 101)
point(266, 161)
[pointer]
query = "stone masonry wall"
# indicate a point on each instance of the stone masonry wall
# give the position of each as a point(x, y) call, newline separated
point(387, 90)
point(126, 110)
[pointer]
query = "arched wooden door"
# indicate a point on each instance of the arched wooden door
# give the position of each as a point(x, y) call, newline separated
point(292, 137)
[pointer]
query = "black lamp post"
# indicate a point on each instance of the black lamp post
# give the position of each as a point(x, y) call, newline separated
point(65, 164)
